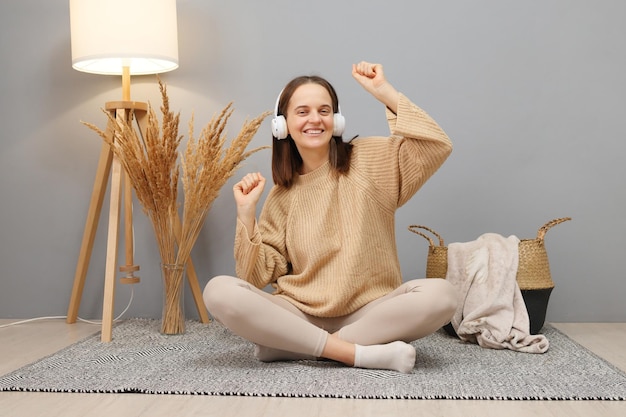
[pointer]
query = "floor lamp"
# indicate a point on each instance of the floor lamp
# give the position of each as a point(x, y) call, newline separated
point(120, 37)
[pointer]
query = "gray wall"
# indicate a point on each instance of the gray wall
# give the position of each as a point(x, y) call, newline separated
point(532, 94)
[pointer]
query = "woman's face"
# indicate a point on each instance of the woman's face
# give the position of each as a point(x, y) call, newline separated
point(310, 118)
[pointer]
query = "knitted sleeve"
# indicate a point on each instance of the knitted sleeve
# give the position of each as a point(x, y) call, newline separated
point(424, 150)
point(261, 257)
point(401, 164)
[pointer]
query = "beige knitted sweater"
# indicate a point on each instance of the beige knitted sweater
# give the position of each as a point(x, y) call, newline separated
point(328, 244)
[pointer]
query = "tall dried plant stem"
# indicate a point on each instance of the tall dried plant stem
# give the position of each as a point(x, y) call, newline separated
point(173, 316)
point(206, 167)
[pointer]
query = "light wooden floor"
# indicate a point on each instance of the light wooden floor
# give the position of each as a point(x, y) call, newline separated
point(23, 344)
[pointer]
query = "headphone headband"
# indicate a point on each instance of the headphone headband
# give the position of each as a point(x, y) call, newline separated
point(278, 101)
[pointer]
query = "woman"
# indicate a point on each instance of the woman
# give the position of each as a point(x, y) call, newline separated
point(325, 238)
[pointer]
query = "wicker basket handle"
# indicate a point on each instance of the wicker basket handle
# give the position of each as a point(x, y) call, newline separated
point(413, 228)
point(544, 229)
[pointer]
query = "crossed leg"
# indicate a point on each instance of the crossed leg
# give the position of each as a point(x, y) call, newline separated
point(363, 339)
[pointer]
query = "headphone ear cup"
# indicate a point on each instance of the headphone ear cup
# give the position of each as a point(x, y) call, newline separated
point(279, 127)
point(339, 124)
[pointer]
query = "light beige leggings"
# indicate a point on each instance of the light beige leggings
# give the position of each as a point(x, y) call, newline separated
point(415, 309)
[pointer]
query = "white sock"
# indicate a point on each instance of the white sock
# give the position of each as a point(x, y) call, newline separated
point(396, 356)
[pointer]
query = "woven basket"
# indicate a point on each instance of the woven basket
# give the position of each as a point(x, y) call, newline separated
point(437, 260)
point(533, 272)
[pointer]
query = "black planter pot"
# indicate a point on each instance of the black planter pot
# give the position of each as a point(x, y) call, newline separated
point(536, 303)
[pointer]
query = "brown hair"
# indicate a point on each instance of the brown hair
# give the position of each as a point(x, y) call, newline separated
point(286, 160)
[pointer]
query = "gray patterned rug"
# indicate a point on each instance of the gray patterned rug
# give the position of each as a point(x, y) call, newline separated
point(209, 360)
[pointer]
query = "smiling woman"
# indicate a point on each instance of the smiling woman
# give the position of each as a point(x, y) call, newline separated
point(325, 238)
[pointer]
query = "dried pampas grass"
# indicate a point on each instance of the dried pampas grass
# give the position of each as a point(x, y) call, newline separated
point(152, 164)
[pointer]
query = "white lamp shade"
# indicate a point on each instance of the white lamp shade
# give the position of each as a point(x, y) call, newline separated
point(108, 35)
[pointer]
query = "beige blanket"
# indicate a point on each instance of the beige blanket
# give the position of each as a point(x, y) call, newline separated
point(491, 309)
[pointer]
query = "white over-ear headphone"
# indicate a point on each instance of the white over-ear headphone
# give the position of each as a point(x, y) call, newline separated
point(279, 123)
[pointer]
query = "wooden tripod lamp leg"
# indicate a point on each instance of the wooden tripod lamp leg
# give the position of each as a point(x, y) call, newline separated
point(91, 226)
point(111, 258)
point(192, 278)
point(129, 268)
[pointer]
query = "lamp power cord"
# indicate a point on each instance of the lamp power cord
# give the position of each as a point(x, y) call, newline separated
point(98, 323)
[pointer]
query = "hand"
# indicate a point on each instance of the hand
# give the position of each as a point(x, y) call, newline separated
point(370, 76)
point(248, 191)
point(247, 194)
point(372, 79)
